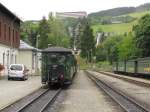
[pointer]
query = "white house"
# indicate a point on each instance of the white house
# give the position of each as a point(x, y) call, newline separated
point(30, 57)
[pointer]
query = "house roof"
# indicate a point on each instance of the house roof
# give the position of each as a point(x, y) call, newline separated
point(25, 46)
point(7, 11)
point(57, 49)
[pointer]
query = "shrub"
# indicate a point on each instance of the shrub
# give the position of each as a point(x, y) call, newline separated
point(104, 66)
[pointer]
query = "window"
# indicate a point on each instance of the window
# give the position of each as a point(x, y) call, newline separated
point(9, 33)
point(3, 58)
point(16, 37)
point(5, 31)
point(15, 58)
point(13, 35)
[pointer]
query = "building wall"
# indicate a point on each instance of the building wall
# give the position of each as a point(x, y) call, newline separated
point(25, 57)
point(9, 30)
point(7, 56)
point(71, 14)
point(9, 38)
point(31, 60)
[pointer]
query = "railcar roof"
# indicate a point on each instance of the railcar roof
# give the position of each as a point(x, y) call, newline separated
point(146, 58)
point(57, 49)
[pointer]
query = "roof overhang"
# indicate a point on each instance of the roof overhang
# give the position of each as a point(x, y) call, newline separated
point(7, 11)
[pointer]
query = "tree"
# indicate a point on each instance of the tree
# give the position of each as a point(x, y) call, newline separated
point(127, 48)
point(29, 31)
point(142, 35)
point(111, 48)
point(100, 53)
point(76, 37)
point(77, 33)
point(87, 43)
point(58, 35)
point(43, 31)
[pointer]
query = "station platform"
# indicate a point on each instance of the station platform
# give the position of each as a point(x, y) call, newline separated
point(12, 90)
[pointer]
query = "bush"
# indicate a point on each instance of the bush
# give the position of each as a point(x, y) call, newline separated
point(104, 66)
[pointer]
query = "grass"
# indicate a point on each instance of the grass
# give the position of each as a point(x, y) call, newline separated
point(120, 28)
point(83, 65)
point(139, 14)
point(99, 66)
point(117, 28)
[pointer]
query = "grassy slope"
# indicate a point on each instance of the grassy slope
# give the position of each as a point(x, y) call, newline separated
point(139, 14)
point(120, 28)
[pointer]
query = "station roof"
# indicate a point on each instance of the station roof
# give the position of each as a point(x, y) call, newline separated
point(8, 12)
point(25, 46)
point(57, 49)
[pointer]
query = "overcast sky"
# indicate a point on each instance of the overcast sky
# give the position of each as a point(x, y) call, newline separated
point(35, 9)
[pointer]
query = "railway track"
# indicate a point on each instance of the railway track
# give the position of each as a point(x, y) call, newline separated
point(127, 103)
point(128, 79)
point(38, 103)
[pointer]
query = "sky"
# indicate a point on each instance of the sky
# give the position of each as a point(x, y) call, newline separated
point(36, 9)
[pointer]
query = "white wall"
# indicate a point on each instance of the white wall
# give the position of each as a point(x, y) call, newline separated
point(8, 56)
point(31, 60)
point(25, 57)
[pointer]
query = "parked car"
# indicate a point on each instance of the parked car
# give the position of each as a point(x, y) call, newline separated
point(18, 71)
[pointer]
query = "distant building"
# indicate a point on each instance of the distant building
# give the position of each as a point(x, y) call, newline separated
point(9, 36)
point(71, 14)
point(30, 57)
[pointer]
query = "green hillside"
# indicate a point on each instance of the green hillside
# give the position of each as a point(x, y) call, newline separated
point(120, 28)
point(139, 14)
point(117, 28)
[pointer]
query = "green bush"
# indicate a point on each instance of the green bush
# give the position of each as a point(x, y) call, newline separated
point(104, 66)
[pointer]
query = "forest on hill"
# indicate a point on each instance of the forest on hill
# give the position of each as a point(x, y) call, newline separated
point(115, 15)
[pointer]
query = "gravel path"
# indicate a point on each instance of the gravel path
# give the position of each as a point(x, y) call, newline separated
point(11, 91)
point(84, 96)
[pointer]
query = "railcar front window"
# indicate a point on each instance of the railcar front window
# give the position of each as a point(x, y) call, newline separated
point(57, 59)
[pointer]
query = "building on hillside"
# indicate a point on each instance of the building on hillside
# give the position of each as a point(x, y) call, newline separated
point(62, 15)
point(30, 57)
point(9, 37)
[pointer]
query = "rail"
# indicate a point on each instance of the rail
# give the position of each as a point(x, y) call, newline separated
point(127, 103)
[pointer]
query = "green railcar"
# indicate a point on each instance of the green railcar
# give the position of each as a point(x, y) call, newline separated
point(115, 66)
point(59, 65)
point(143, 65)
point(140, 66)
point(130, 66)
point(121, 66)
